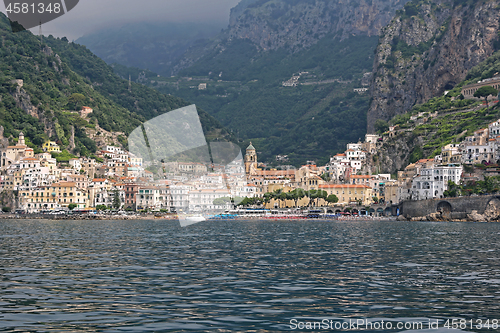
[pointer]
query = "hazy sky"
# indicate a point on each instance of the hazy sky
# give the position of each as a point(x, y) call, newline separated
point(91, 15)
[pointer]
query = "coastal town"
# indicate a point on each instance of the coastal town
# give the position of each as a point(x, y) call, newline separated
point(117, 179)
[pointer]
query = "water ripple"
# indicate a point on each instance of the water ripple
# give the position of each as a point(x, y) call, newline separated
point(119, 276)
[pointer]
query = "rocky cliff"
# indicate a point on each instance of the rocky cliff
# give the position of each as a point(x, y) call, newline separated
point(296, 25)
point(427, 49)
point(299, 24)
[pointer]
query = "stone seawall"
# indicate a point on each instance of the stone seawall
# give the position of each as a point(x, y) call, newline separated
point(473, 208)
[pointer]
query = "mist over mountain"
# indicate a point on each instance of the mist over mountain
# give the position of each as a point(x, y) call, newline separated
point(296, 25)
point(156, 46)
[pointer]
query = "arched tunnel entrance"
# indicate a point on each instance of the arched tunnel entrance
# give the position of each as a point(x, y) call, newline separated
point(444, 207)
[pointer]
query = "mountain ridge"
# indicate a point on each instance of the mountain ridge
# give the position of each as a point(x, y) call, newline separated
point(427, 49)
point(43, 85)
point(295, 25)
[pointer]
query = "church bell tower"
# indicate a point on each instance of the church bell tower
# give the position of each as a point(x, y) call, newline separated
point(250, 160)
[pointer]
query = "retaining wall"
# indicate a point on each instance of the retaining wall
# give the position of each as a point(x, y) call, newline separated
point(457, 207)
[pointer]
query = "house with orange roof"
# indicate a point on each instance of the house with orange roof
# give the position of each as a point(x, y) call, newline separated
point(85, 111)
point(81, 181)
point(360, 179)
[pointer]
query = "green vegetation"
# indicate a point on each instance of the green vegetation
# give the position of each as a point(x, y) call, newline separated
point(62, 157)
point(297, 194)
point(75, 101)
point(72, 206)
point(226, 200)
point(449, 118)
point(60, 77)
point(332, 198)
point(381, 126)
point(486, 69)
point(246, 202)
point(133, 105)
point(489, 185)
point(135, 74)
point(484, 92)
point(153, 45)
point(116, 199)
point(307, 122)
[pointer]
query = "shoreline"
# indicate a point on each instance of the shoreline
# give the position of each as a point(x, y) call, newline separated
point(91, 217)
point(83, 217)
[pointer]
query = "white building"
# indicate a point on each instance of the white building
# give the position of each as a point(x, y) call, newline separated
point(153, 198)
point(76, 164)
point(134, 161)
point(433, 181)
point(180, 196)
point(494, 129)
point(203, 200)
point(477, 154)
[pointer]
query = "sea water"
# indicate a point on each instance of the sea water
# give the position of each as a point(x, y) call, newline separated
point(261, 276)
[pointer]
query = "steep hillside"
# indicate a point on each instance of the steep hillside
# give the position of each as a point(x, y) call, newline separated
point(274, 24)
point(295, 25)
point(44, 83)
point(267, 43)
point(444, 119)
point(283, 74)
point(427, 49)
point(308, 121)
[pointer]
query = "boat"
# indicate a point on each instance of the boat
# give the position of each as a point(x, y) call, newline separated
point(186, 220)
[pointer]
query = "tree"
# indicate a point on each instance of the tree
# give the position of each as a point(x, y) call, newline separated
point(381, 126)
point(485, 92)
point(116, 199)
point(322, 194)
point(101, 207)
point(311, 194)
point(332, 198)
point(315, 195)
point(221, 201)
point(375, 200)
point(277, 196)
point(284, 196)
point(296, 195)
point(75, 100)
point(268, 196)
point(246, 202)
point(72, 206)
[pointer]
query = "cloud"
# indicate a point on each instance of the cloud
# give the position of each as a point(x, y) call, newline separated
point(91, 15)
